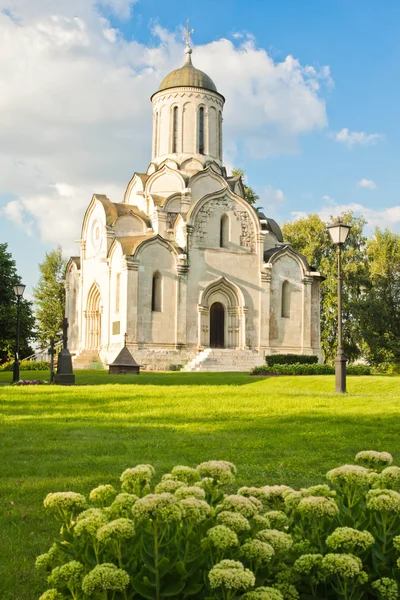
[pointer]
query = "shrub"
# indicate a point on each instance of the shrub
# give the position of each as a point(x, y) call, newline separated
point(290, 359)
point(263, 542)
point(27, 365)
point(309, 369)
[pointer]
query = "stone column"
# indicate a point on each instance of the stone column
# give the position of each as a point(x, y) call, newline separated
point(82, 313)
point(265, 306)
point(203, 335)
point(130, 267)
point(307, 330)
point(181, 301)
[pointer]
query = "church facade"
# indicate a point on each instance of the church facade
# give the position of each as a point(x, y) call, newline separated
point(183, 265)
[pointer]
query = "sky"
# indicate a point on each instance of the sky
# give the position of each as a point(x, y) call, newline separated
point(312, 99)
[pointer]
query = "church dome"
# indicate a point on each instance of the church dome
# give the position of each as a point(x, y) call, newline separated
point(187, 76)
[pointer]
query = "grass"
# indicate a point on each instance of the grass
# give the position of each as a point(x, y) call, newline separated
point(281, 429)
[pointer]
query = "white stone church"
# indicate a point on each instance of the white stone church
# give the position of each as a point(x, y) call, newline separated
point(182, 264)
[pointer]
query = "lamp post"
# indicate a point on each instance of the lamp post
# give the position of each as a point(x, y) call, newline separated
point(19, 292)
point(339, 232)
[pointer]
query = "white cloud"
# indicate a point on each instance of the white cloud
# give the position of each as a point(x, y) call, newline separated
point(354, 138)
point(76, 115)
point(387, 217)
point(271, 201)
point(367, 183)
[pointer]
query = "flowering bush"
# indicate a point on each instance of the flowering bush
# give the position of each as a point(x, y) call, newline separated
point(191, 536)
point(31, 382)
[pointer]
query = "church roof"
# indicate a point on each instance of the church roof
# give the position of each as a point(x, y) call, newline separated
point(188, 76)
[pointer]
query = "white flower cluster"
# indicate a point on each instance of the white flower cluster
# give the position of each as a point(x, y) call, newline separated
point(387, 588)
point(276, 494)
point(373, 459)
point(263, 593)
point(318, 507)
point(287, 590)
point(260, 522)
point(103, 494)
point(89, 521)
point(247, 507)
point(68, 502)
point(396, 542)
point(235, 521)
point(137, 480)
point(68, 575)
point(51, 594)
point(308, 564)
point(348, 475)
point(280, 541)
point(47, 561)
point(122, 505)
point(186, 474)
point(277, 519)
point(348, 539)
point(231, 575)
point(105, 577)
point(383, 501)
point(190, 491)
point(168, 485)
point(195, 510)
point(390, 477)
point(319, 490)
point(163, 508)
point(258, 551)
point(117, 530)
point(344, 566)
point(222, 537)
point(222, 471)
point(254, 492)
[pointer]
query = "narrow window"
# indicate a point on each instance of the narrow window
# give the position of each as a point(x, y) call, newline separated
point(156, 293)
point(201, 130)
point(175, 130)
point(286, 300)
point(224, 232)
point(117, 291)
point(156, 136)
point(220, 136)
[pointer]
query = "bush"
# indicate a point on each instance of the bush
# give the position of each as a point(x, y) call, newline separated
point(315, 369)
point(291, 359)
point(387, 368)
point(189, 536)
point(27, 365)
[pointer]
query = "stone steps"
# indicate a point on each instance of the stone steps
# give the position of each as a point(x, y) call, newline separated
point(218, 360)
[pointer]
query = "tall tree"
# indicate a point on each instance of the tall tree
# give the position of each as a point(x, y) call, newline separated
point(49, 295)
point(249, 194)
point(8, 311)
point(310, 237)
point(381, 317)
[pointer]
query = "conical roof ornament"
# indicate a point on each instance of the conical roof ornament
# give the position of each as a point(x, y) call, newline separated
point(187, 38)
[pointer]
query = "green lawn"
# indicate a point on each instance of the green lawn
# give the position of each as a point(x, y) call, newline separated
point(278, 429)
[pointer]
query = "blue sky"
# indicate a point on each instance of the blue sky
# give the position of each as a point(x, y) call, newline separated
point(76, 118)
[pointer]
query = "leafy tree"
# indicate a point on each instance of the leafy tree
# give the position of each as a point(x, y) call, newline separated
point(249, 194)
point(49, 295)
point(310, 237)
point(8, 311)
point(381, 317)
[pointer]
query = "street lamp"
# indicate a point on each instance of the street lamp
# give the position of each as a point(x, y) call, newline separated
point(19, 292)
point(339, 232)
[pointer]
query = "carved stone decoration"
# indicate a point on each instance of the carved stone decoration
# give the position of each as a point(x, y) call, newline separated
point(223, 205)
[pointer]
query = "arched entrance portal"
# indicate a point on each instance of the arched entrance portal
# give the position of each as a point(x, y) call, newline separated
point(93, 319)
point(217, 325)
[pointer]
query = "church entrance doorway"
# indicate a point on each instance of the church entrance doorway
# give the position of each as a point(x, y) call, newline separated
point(93, 320)
point(217, 325)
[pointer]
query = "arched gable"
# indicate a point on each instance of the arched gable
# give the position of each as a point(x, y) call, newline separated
point(165, 182)
point(129, 224)
point(206, 182)
point(154, 240)
point(173, 203)
point(287, 251)
point(93, 298)
point(135, 186)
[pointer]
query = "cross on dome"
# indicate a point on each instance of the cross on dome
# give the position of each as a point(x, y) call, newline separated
point(187, 36)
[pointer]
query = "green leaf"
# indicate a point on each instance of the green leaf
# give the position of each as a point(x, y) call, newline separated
point(144, 589)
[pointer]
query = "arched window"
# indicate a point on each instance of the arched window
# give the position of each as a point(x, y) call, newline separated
point(220, 136)
point(286, 299)
point(117, 291)
point(201, 130)
point(224, 232)
point(156, 135)
point(175, 130)
point(156, 292)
